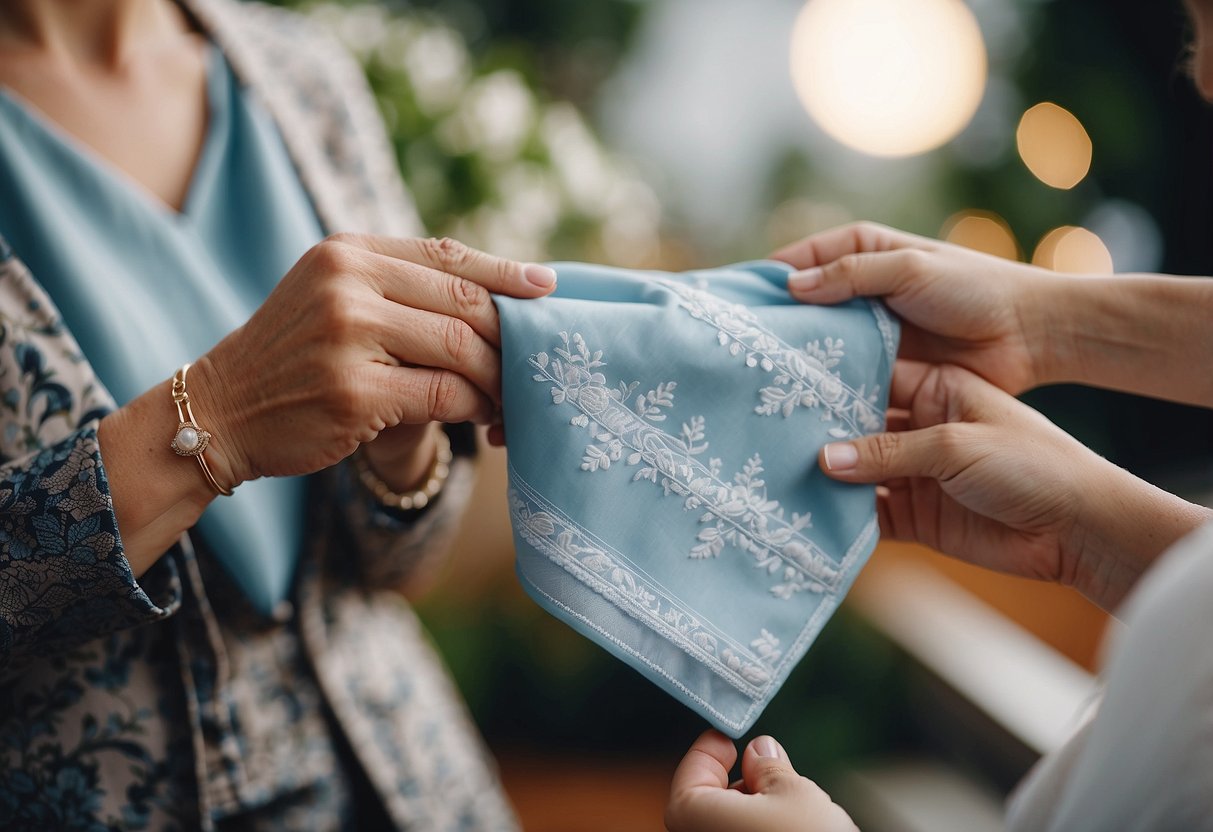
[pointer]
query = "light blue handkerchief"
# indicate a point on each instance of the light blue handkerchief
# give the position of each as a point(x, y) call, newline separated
point(665, 497)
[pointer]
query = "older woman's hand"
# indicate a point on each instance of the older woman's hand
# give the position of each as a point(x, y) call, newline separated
point(771, 796)
point(970, 471)
point(363, 334)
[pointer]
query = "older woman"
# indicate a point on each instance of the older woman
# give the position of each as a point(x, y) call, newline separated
point(191, 634)
point(972, 472)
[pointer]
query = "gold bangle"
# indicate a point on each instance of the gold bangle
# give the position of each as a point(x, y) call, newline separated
point(190, 439)
point(435, 479)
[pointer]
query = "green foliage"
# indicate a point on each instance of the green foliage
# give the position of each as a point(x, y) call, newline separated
point(492, 152)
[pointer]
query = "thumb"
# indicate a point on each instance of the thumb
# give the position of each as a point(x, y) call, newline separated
point(766, 769)
point(867, 274)
point(937, 452)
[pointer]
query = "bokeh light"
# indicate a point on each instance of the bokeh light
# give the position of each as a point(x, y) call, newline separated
point(1054, 145)
point(982, 231)
point(1073, 250)
point(889, 77)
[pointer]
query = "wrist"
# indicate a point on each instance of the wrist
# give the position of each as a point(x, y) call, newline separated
point(1122, 530)
point(156, 495)
point(218, 417)
point(1049, 307)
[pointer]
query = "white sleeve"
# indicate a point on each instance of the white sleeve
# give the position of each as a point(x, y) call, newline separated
point(1145, 761)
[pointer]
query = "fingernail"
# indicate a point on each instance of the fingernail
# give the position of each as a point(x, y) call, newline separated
point(767, 747)
point(805, 281)
point(841, 456)
point(542, 276)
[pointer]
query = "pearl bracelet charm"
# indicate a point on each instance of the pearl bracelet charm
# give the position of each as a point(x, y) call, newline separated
point(190, 439)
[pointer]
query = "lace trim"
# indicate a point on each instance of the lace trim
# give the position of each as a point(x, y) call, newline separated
point(605, 571)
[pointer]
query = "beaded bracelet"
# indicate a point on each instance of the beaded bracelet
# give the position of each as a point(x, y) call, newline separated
point(419, 498)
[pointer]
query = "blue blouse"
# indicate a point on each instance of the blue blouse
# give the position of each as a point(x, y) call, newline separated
point(145, 288)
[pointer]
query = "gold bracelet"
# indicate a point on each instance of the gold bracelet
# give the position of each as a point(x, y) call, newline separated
point(435, 478)
point(190, 439)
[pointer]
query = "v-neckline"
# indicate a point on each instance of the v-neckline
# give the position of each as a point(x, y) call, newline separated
point(216, 116)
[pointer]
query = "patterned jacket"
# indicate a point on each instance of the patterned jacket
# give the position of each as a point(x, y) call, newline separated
point(167, 703)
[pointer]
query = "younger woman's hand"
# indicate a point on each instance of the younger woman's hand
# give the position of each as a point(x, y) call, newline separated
point(957, 306)
point(771, 796)
point(971, 472)
point(363, 334)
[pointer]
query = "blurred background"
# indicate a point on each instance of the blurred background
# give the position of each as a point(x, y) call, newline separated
point(686, 133)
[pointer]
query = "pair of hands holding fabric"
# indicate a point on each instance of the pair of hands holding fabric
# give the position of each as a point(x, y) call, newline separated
point(967, 469)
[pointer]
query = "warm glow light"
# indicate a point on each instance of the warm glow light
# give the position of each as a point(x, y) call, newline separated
point(1074, 250)
point(982, 231)
point(889, 77)
point(1054, 145)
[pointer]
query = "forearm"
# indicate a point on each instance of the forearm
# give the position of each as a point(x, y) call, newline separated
point(1138, 333)
point(157, 495)
point(1125, 525)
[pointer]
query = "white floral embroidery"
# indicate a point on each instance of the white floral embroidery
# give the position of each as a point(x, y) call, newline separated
point(737, 513)
point(803, 377)
point(597, 566)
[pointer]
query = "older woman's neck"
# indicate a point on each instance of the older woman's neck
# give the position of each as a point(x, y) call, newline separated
point(88, 32)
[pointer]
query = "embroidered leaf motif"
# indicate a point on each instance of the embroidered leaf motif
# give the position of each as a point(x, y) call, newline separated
point(802, 377)
point(595, 458)
point(649, 405)
point(738, 514)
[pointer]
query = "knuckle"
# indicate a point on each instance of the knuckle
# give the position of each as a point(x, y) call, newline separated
point(848, 267)
point(949, 377)
point(332, 257)
point(503, 270)
point(442, 395)
point(951, 438)
point(774, 777)
point(470, 299)
point(457, 340)
point(868, 234)
point(448, 254)
point(346, 238)
point(334, 312)
point(344, 397)
point(915, 263)
point(885, 448)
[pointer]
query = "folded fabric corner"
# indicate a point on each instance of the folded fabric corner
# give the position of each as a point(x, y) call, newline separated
point(666, 502)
